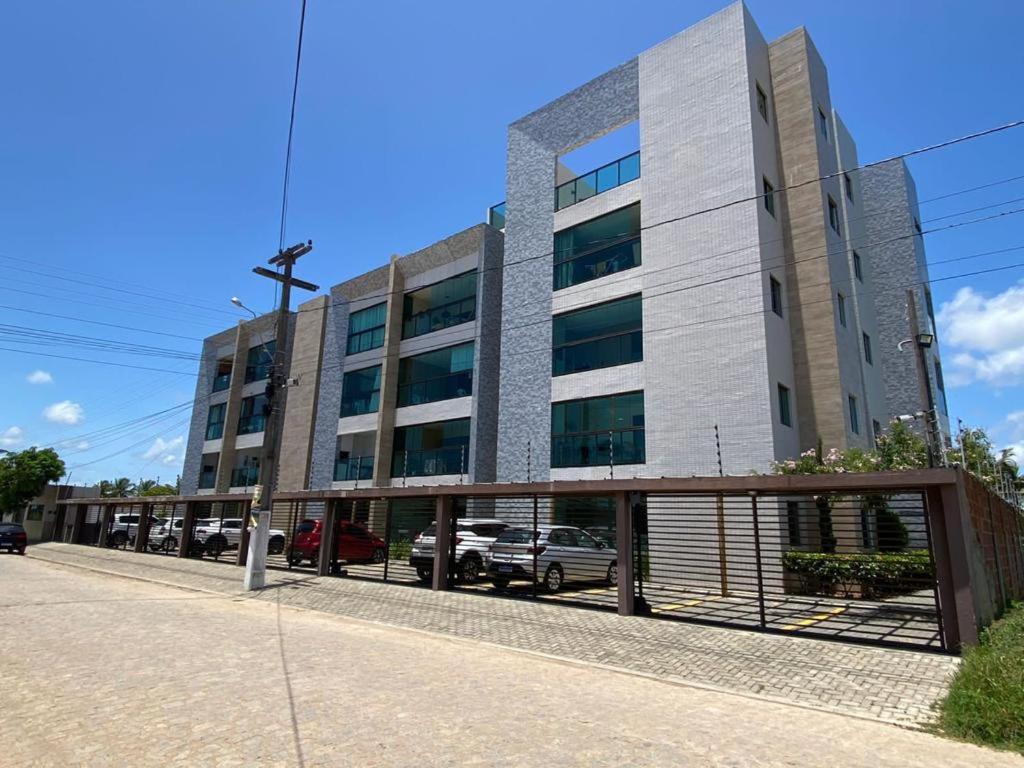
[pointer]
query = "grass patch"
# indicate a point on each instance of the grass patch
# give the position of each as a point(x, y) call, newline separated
point(986, 700)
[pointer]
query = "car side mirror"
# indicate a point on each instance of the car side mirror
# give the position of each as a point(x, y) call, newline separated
point(601, 545)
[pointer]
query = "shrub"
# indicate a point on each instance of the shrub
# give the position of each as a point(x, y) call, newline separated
point(876, 573)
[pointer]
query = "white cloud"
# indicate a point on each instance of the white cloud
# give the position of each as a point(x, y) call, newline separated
point(164, 449)
point(64, 412)
point(81, 445)
point(987, 334)
point(39, 377)
point(11, 437)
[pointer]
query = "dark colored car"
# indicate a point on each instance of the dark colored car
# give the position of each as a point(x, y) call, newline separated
point(354, 543)
point(13, 538)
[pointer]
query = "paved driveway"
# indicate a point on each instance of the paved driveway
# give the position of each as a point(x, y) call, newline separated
point(104, 671)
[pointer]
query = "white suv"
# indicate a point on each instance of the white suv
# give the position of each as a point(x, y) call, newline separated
point(473, 539)
point(217, 535)
point(561, 553)
point(124, 529)
point(165, 533)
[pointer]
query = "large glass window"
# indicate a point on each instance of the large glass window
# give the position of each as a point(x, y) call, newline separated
point(785, 413)
point(259, 361)
point(215, 422)
point(440, 448)
point(599, 247)
point(438, 375)
point(441, 305)
point(349, 467)
point(366, 328)
point(252, 417)
point(598, 431)
point(598, 337)
point(360, 391)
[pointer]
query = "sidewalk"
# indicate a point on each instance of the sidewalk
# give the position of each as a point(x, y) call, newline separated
point(894, 686)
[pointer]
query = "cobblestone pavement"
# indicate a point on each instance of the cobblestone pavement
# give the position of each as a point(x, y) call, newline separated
point(895, 686)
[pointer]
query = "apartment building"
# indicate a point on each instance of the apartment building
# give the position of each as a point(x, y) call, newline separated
point(701, 303)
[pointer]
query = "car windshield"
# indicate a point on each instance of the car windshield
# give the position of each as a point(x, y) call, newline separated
point(306, 526)
point(10, 528)
point(487, 529)
point(516, 536)
point(430, 530)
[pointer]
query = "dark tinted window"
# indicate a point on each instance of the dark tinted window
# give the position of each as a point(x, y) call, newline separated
point(306, 526)
point(599, 247)
point(600, 336)
point(487, 529)
point(516, 536)
point(10, 528)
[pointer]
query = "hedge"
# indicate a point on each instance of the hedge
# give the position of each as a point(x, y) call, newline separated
point(873, 572)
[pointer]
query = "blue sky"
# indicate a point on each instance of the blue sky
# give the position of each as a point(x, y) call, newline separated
point(142, 154)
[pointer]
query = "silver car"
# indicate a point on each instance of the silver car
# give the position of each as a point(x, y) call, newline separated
point(562, 554)
point(473, 540)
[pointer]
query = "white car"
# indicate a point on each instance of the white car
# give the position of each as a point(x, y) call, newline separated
point(124, 529)
point(561, 553)
point(473, 539)
point(165, 533)
point(218, 535)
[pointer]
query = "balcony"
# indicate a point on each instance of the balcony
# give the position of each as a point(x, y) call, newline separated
point(458, 384)
point(208, 479)
point(496, 216)
point(596, 263)
point(244, 476)
point(438, 461)
point(215, 431)
point(257, 372)
point(248, 425)
point(354, 468)
point(606, 177)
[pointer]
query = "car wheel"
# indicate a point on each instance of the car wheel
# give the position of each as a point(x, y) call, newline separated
point(378, 556)
point(424, 574)
point(469, 570)
point(275, 546)
point(170, 543)
point(21, 551)
point(613, 574)
point(553, 578)
point(295, 558)
point(216, 545)
point(499, 582)
point(118, 539)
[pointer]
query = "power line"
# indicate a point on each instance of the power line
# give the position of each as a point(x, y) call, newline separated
point(100, 322)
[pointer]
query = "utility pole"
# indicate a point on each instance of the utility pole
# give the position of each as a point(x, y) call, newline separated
point(931, 417)
point(263, 495)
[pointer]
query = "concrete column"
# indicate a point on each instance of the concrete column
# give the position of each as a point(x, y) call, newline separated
point(944, 575)
point(142, 534)
point(328, 536)
point(624, 553)
point(243, 536)
point(78, 522)
point(105, 517)
point(185, 542)
point(442, 541)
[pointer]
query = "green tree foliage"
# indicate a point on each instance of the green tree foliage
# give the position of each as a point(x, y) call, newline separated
point(158, 490)
point(118, 488)
point(24, 475)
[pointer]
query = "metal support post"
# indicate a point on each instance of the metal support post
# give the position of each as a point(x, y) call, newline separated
point(106, 518)
point(187, 524)
point(624, 554)
point(757, 556)
point(243, 537)
point(443, 542)
point(81, 510)
point(328, 538)
point(723, 561)
point(142, 532)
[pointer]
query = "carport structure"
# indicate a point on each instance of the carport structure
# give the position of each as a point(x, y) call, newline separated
point(918, 559)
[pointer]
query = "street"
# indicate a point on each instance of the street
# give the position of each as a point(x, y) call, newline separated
point(106, 671)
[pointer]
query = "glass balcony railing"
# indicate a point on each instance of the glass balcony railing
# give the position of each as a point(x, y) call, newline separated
point(496, 216)
point(606, 177)
point(243, 476)
point(221, 382)
point(207, 479)
point(596, 263)
point(459, 384)
point(215, 431)
point(599, 449)
point(248, 425)
point(354, 468)
point(439, 461)
point(257, 372)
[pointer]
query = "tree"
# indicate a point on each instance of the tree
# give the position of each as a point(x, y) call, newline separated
point(144, 487)
point(25, 474)
point(158, 490)
point(118, 488)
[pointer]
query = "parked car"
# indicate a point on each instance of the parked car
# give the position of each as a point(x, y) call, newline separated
point(473, 540)
point(563, 554)
point(165, 533)
point(355, 543)
point(13, 538)
point(125, 527)
point(218, 535)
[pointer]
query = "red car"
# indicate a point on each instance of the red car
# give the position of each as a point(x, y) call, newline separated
point(354, 543)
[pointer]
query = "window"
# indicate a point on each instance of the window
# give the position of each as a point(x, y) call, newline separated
point(868, 358)
point(938, 377)
point(438, 375)
point(259, 360)
point(599, 247)
point(208, 472)
point(441, 448)
point(848, 185)
point(930, 307)
point(876, 430)
point(360, 391)
point(600, 336)
point(776, 289)
point(366, 328)
point(215, 422)
point(438, 306)
point(823, 123)
point(253, 414)
point(858, 267)
point(793, 522)
point(854, 415)
point(247, 473)
point(785, 414)
point(841, 308)
point(762, 102)
point(833, 214)
point(349, 467)
point(769, 195)
point(222, 377)
point(598, 431)
point(606, 177)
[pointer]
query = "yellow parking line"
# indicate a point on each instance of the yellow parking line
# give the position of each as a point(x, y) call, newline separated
point(594, 591)
point(817, 618)
point(687, 604)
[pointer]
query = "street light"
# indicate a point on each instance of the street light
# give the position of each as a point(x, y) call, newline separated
point(238, 303)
